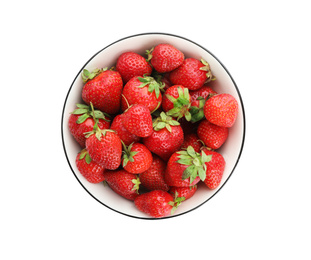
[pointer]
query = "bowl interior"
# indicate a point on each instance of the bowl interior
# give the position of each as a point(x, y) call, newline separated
point(107, 57)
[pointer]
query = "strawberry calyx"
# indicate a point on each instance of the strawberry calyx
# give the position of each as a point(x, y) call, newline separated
point(98, 132)
point(86, 111)
point(207, 68)
point(87, 75)
point(164, 121)
point(85, 155)
point(176, 203)
point(196, 163)
point(128, 154)
point(149, 54)
point(136, 183)
point(181, 104)
point(153, 85)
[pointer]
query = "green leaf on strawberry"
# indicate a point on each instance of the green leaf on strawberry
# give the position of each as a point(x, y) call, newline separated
point(85, 155)
point(176, 203)
point(136, 183)
point(153, 85)
point(164, 121)
point(87, 75)
point(196, 162)
point(128, 154)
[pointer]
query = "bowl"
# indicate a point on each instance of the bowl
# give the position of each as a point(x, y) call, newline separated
point(231, 150)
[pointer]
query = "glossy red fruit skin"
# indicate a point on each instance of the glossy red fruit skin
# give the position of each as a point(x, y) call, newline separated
point(193, 140)
point(221, 110)
point(215, 169)
point(155, 203)
point(153, 178)
point(121, 182)
point(186, 192)
point(174, 172)
point(166, 58)
point(142, 160)
point(107, 151)
point(172, 91)
point(164, 143)
point(201, 92)
point(131, 64)
point(92, 172)
point(122, 132)
point(213, 136)
point(135, 95)
point(104, 91)
point(189, 74)
point(137, 120)
point(78, 130)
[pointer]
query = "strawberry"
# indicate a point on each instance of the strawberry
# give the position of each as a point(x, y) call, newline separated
point(136, 158)
point(192, 74)
point(214, 169)
point(165, 57)
point(204, 92)
point(103, 88)
point(186, 168)
point(123, 183)
point(92, 171)
point(126, 137)
point(153, 178)
point(176, 102)
point(193, 140)
point(137, 120)
point(157, 203)
point(82, 120)
point(166, 138)
point(186, 192)
point(142, 90)
point(104, 147)
point(221, 110)
point(131, 64)
point(213, 136)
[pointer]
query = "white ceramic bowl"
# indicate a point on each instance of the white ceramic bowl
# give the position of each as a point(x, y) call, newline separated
point(107, 57)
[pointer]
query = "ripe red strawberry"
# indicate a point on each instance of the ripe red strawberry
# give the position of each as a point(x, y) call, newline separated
point(213, 136)
point(214, 169)
point(193, 140)
point(105, 148)
point(136, 158)
point(166, 138)
point(123, 183)
point(142, 90)
point(137, 120)
point(82, 120)
point(165, 57)
point(204, 92)
point(153, 178)
point(176, 102)
point(192, 74)
point(221, 110)
point(186, 192)
point(92, 171)
point(186, 168)
point(157, 203)
point(126, 137)
point(131, 64)
point(103, 88)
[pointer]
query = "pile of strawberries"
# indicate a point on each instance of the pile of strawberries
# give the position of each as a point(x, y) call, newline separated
point(150, 128)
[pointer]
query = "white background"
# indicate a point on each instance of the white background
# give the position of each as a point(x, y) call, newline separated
point(263, 212)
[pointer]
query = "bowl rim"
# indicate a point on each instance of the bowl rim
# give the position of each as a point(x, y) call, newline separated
point(242, 110)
